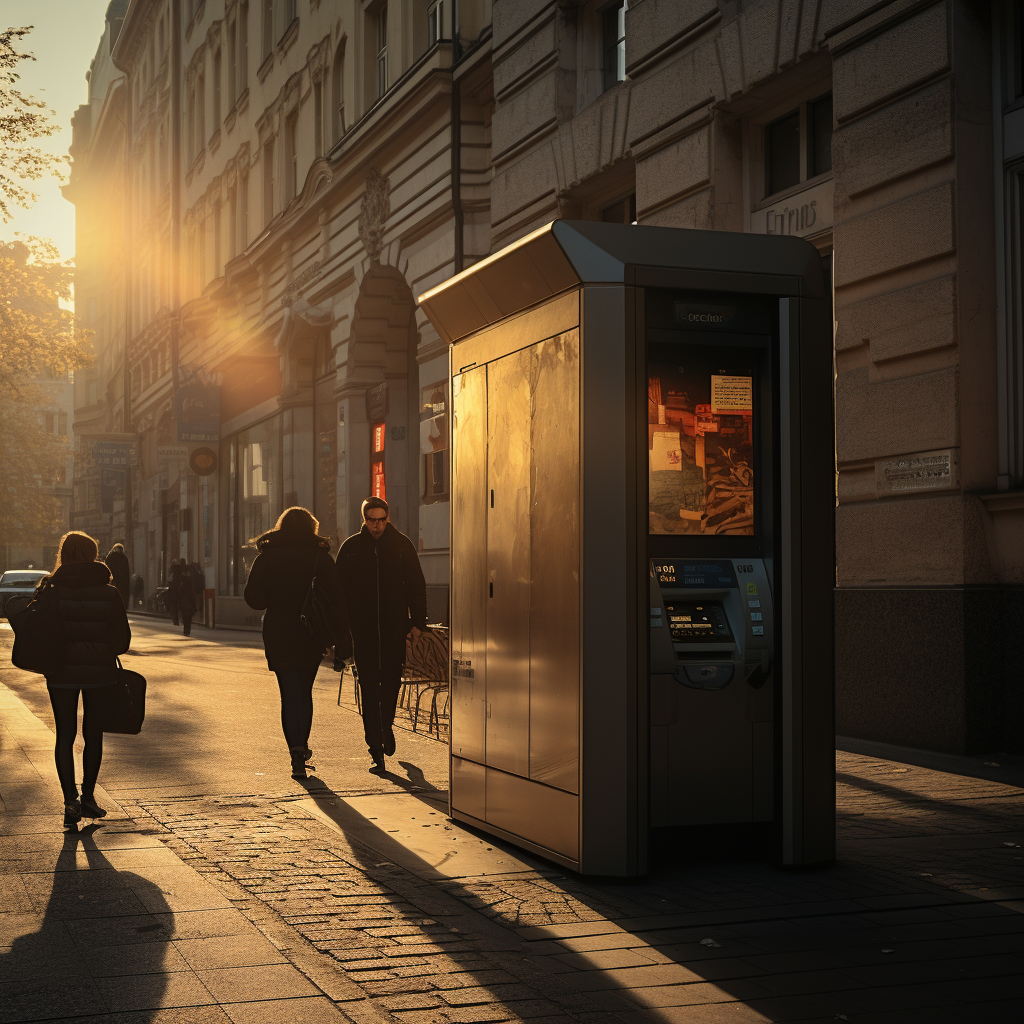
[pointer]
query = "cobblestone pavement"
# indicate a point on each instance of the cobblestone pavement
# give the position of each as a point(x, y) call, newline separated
point(343, 916)
point(921, 919)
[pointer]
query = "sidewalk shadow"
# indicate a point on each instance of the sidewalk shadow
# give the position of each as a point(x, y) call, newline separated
point(99, 947)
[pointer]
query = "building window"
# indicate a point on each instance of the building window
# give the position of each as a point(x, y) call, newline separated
point(622, 212)
point(232, 63)
point(614, 17)
point(798, 145)
point(435, 22)
point(243, 47)
point(216, 88)
point(434, 442)
point(318, 117)
point(268, 27)
point(291, 157)
point(268, 182)
point(48, 420)
point(243, 212)
point(62, 424)
point(338, 93)
point(290, 14)
point(382, 51)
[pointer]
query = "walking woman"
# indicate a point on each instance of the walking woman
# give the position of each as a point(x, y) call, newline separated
point(96, 630)
point(288, 558)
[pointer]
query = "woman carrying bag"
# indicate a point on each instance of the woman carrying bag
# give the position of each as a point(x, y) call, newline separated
point(95, 631)
point(289, 558)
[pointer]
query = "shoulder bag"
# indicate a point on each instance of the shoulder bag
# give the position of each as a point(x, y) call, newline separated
point(124, 702)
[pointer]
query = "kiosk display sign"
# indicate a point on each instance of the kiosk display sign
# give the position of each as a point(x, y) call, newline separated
point(700, 448)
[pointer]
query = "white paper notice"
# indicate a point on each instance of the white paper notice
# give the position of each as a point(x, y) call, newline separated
point(665, 450)
point(731, 394)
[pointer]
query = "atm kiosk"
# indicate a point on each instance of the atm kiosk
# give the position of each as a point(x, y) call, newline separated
point(642, 545)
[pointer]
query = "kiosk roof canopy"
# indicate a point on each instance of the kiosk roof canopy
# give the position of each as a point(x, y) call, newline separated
point(565, 254)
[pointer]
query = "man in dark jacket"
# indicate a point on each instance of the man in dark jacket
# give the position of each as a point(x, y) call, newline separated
point(387, 599)
point(174, 588)
point(117, 563)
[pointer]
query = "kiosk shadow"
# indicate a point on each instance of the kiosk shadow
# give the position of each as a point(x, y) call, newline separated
point(100, 947)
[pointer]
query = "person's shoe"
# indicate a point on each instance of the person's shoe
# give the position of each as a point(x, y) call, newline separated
point(72, 812)
point(389, 741)
point(378, 767)
point(91, 809)
point(299, 756)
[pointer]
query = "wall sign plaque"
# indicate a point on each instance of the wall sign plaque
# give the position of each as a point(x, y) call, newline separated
point(921, 471)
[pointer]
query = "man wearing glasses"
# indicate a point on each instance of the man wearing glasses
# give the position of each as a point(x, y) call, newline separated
point(387, 599)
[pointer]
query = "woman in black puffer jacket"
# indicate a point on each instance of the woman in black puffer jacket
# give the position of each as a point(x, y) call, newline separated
point(96, 630)
point(288, 558)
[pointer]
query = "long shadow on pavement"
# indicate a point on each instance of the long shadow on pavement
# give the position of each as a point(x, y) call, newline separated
point(98, 947)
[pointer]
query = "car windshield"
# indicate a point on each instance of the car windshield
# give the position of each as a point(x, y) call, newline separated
point(21, 579)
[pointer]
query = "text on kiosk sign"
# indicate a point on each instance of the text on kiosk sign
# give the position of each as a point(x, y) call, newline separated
point(694, 574)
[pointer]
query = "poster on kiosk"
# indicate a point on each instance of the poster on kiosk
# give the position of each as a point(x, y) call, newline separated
point(642, 538)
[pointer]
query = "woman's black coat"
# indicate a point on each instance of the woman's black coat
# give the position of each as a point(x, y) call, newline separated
point(279, 581)
point(385, 592)
point(95, 625)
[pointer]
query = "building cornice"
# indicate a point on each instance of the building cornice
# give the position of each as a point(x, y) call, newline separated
point(131, 37)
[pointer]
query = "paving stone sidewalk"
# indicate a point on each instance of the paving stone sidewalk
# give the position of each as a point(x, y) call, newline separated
point(273, 906)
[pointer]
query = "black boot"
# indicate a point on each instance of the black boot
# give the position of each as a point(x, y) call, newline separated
point(378, 767)
point(91, 809)
point(72, 812)
point(389, 740)
point(299, 756)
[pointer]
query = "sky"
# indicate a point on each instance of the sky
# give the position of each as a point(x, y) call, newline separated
point(64, 41)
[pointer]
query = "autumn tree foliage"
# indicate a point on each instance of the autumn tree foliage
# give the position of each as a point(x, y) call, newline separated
point(38, 339)
point(23, 119)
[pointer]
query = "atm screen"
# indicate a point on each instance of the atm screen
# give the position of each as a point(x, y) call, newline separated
point(700, 445)
point(697, 621)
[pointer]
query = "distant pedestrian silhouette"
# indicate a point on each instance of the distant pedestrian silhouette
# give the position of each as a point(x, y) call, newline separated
point(289, 557)
point(117, 563)
point(96, 630)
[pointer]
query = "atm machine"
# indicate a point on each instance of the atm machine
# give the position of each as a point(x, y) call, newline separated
point(643, 555)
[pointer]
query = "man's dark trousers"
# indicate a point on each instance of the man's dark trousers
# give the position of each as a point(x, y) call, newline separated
point(379, 683)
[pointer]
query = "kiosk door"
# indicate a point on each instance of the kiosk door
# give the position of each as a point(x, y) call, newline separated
point(710, 514)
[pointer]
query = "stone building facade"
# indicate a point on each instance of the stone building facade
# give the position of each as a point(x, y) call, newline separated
point(300, 170)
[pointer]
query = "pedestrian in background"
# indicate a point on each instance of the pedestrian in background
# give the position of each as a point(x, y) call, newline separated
point(173, 588)
point(289, 557)
point(186, 600)
point(96, 631)
point(117, 563)
point(386, 595)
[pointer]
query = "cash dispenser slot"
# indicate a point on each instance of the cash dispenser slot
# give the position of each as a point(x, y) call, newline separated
point(703, 642)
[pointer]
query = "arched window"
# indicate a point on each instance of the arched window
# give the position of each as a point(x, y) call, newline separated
point(338, 93)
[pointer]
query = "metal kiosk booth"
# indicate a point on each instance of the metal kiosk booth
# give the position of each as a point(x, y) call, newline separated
point(642, 524)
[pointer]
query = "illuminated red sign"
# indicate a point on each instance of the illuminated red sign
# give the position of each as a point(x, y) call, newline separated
point(377, 486)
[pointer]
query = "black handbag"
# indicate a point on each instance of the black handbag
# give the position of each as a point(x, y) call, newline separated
point(124, 702)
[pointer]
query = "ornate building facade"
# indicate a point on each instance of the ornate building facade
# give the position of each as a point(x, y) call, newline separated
point(299, 171)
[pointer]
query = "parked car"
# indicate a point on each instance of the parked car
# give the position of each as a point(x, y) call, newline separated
point(18, 583)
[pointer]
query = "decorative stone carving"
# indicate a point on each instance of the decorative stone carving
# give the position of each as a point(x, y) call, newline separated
point(373, 213)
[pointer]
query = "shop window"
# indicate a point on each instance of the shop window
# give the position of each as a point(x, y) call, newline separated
point(614, 25)
point(798, 145)
point(434, 442)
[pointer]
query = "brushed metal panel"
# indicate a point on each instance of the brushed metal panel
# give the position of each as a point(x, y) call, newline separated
point(546, 816)
point(555, 317)
point(469, 790)
point(469, 564)
point(529, 271)
point(554, 562)
point(508, 563)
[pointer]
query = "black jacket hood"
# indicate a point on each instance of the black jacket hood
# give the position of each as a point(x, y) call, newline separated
point(278, 538)
point(80, 574)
